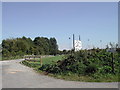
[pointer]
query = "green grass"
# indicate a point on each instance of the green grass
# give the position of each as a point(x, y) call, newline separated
point(45, 60)
point(0, 58)
point(82, 78)
point(51, 60)
point(48, 60)
point(75, 77)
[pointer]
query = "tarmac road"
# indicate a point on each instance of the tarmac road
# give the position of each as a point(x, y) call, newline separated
point(15, 75)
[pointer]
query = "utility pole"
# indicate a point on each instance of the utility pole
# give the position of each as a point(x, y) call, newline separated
point(101, 44)
point(88, 46)
point(70, 42)
point(79, 37)
point(73, 43)
point(112, 54)
point(41, 60)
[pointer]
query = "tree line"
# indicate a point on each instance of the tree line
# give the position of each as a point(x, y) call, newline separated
point(26, 46)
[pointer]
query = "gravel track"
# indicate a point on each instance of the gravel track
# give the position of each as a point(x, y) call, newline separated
point(15, 75)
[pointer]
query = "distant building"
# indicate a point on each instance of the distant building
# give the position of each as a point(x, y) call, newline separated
point(78, 45)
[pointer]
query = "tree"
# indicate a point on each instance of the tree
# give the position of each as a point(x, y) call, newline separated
point(42, 44)
point(53, 46)
point(64, 51)
point(5, 53)
point(25, 46)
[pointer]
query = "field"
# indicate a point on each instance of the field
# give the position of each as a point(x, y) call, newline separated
point(35, 63)
point(51, 60)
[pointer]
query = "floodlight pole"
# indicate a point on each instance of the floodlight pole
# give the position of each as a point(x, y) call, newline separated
point(79, 38)
point(73, 43)
point(112, 54)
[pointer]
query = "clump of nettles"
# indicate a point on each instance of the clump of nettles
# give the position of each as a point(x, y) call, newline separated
point(93, 62)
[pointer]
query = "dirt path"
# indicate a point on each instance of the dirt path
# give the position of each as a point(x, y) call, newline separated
point(15, 75)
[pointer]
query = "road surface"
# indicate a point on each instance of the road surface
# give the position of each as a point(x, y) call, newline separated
point(15, 75)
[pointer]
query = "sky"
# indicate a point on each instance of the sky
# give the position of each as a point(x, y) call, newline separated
point(0, 22)
point(91, 20)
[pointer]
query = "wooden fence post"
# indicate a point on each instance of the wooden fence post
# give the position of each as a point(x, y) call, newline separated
point(40, 60)
point(34, 57)
point(25, 57)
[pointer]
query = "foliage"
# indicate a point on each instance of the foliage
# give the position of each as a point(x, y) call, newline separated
point(26, 46)
point(86, 62)
point(53, 46)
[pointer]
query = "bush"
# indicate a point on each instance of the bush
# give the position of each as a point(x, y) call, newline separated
point(85, 63)
point(91, 69)
point(105, 69)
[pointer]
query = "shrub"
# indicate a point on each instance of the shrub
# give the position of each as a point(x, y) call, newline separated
point(86, 63)
point(105, 69)
point(91, 69)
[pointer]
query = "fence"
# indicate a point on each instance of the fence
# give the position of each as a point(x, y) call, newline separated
point(33, 57)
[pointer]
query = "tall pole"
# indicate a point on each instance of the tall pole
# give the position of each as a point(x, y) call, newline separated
point(88, 43)
point(79, 37)
point(101, 44)
point(70, 42)
point(73, 42)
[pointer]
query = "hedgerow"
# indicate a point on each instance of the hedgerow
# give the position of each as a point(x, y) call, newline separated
point(86, 62)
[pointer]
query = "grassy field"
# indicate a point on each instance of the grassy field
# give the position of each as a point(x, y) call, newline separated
point(51, 60)
point(0, 58)
point(35, 63)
